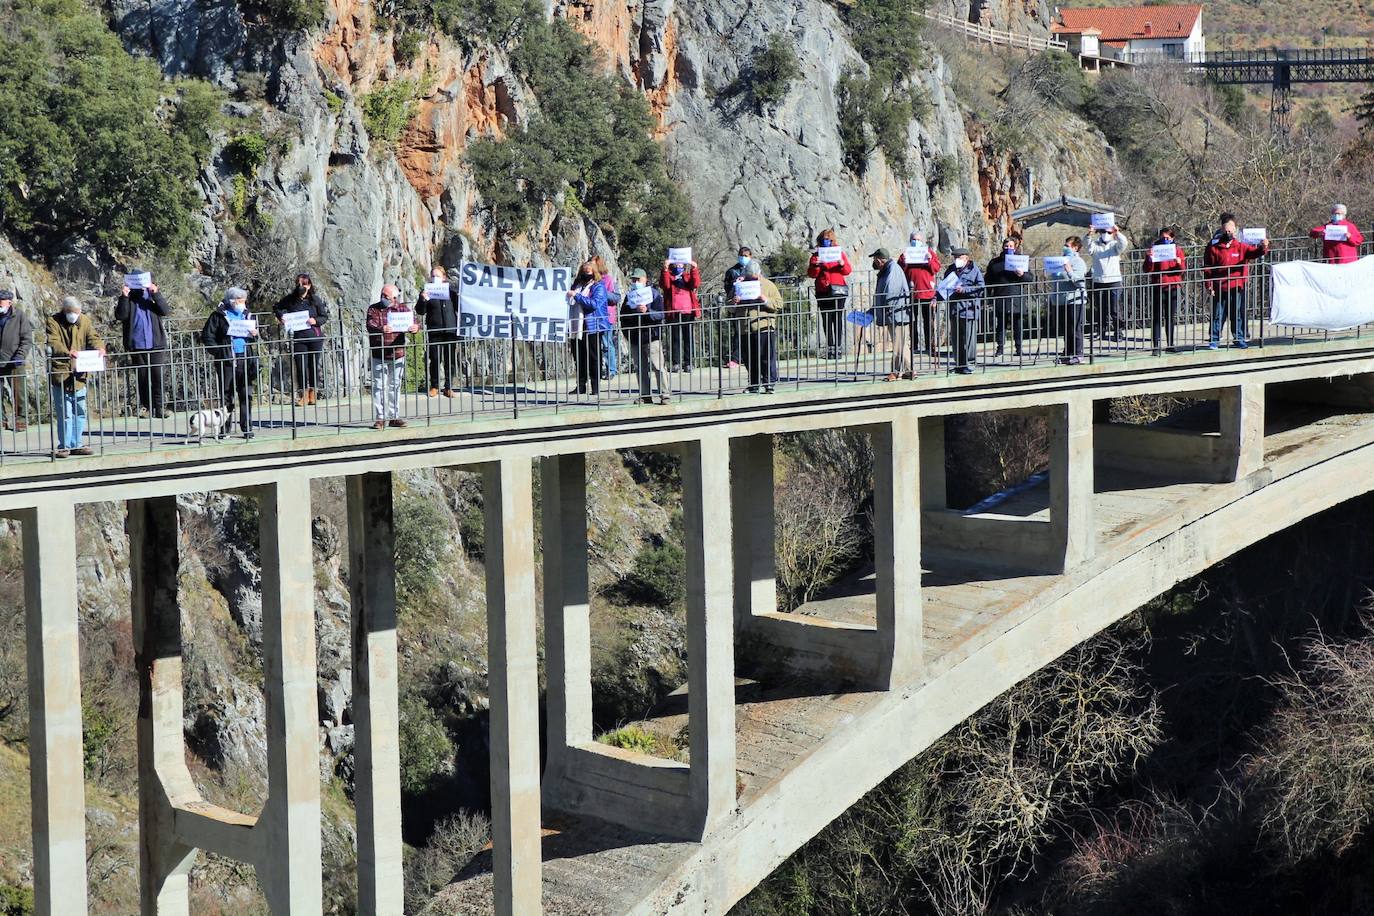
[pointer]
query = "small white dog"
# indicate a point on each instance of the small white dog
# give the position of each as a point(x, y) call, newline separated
point(209, 422)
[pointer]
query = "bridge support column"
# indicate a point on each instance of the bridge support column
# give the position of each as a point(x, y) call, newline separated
point(154, 564)
point(1071, 480)
point(931, 439)
point(376, 751)
point(289, 869)
point(710, 628)
point(567, 627)
point(1242, 429)
point(754, 540)
point(54, 663)
point(897, 548)
point(513, 686)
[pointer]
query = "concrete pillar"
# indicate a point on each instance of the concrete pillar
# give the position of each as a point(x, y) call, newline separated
point(513, 680)
point(567, 625)
point(1242, 429)
point(897, 549)
point(1071, 480)
point(154, 563)
point(710, 628)
point(54, 665)
point(289, 870)
point(376, 749)
point(934, 493)
point(754, 537)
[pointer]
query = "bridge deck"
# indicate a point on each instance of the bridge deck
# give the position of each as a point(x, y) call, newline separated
point(593, 868)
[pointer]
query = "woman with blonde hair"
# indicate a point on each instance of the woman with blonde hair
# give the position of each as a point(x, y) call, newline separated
point(831, 272)
point(588, 297)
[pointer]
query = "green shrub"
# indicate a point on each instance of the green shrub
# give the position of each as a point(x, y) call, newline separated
point(657, 578)
point(387, 110)
point(246, 153)
point(292, 14)
point(497, 22)
point(773, 72)
point(421, 544)
point(788, 260)
point(16, 901)
point(407, 45)
point(942, 172)
point(631, 738)
point(426, 748)
point(92, 140)
point(333, 101)
point(97, 733)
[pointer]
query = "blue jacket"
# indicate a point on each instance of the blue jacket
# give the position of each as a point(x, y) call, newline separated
point(593, 306)
point(969, 302)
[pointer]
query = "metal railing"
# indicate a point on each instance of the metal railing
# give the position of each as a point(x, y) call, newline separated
point(726, 351)
point(993, 36)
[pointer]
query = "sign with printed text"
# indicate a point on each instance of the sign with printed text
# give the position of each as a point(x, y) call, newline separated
point(1337, 233)
point(514, 303)
point(295, 321)
point(400, 322)
point(639, 295)
point(1056, 264)
point(1101, 221)
point(680, 255)
point(90, 361)
point(242, 327)
point(1161, 253)
point(1016, 262)
point(748, 289)
point(437, 290)
point(831, 255)
point(945, 288)
point(917, 254)
point(140, 280)
point(1254, 236)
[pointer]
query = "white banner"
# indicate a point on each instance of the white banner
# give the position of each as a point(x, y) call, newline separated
point(400, 322)
point(1337, 232)
point(295, 321)
point(437, 290)
point(680, 255)
point(1102, 221)
point(89, 361)
point(917, 254)
point(242, 327)
point(1254, 236)
point(1332, 297)
point(746, 290)
point(514, 303)
point(1055, 264)
point(639, 295)
point(1015, 262)
point(1163, 252)
point(141, 280)
point(829, 255)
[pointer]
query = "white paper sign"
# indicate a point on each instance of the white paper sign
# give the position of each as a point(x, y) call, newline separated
point(516, 303)
point(639, 295)
point(1255, 236)
point(1336, 232)
point(1056, 264)
point(1332, 297)
point(680, 255)
point(829, 255)
point(1103, 220)
point(242, 327)
point(917, 254)
point(437, 290)
point(90, 361)
point(140, 280)
point(1015, 262)
point(400, 322)
point(945, 288)
point(1162, 253)
point(748, 289)
point(295, 321)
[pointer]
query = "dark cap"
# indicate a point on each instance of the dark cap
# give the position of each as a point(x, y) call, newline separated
point(6, 294)
point(639, 274)
point(960, 252)
point(881, 253)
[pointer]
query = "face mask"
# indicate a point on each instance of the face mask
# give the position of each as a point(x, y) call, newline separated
point(72, 317)
point(826, 243)
point(961, 263)
point(677, 271)
point(638, 284)
point(236, 308)
point(4, 309)
point(744, 260)
point(1068, 252)
point(1226, 236)
point(1336, 217)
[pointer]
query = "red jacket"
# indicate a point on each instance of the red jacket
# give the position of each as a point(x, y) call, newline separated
point(688, 282)
point(1227, 266)
point(384, 344)
point(1166, 273)
point(828, 275)
point(921, 277)
point(1346, 252)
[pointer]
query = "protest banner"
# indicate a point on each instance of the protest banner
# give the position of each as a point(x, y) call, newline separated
point(242, 327)
point(748, 289)
point(639, 295)
point(1103, 221)
point(1254, 236)
point(141, 280)
point(400, 322)
point(917, 254)
point(514, 303)
point(1015, 262)
point(680, 255)
point(295, 321)
point(437, 290)
point(1056, 264)
point(945, 288)
point(1336, 232)
point(1331, 297)
point(1161, 253)
point(89, 361)
point(831, 255)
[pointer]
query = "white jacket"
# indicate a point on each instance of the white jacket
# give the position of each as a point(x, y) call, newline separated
point(1107, 256)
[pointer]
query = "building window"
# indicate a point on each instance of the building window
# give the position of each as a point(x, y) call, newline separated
point(1173, 50)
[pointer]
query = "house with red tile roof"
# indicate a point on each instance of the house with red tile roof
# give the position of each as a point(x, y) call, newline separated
point(1131, 33)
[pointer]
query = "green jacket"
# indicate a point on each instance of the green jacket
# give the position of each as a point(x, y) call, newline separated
point(65, 339)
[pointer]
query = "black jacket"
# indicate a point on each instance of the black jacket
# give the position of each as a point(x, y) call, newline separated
point(16, 340)
point(635, 323)
point(314, 304)
point(439, 314)
point(215, 336)
point(1005, 290)
point(157, 309)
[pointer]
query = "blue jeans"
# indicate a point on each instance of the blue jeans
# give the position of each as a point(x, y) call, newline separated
point(1229, 302)
point(610, 351)
point(69, 409)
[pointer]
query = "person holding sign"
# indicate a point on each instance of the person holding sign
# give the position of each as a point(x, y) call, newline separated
point(1226, 268)
point(830, 268)
point(438, 306)
point(610, 340)
point(760, 340)
point(732, 339)
point(70, 332)
point(139, 311)
point(230, 336)
point(1105, 248)
point(641, 315)
point(963, 286)
point(1341, 239)
point(16, 339)
point(892, 298)
point(388, 321)
point(588, 297)
point(1069, 296)
point(922, 266)
point(1165, 265)
point(1008, 279)
point(681, 280)
point(302, 314)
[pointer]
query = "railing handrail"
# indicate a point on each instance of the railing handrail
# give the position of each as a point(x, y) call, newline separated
point(997, 36)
